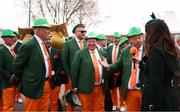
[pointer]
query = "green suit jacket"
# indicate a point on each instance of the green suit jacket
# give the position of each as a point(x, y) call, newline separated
point(6, 66)
point(112, 83)
point(68, 52)
point(82, 71)
point(124, 65)
point(109, 53)
point(18, 44)
point(30, 69)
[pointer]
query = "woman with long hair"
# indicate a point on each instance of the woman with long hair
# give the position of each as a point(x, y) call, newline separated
point(159, 66)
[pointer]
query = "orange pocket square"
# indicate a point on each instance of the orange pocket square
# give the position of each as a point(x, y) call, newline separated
point(55, 56)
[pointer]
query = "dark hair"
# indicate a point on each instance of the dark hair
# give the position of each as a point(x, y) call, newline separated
point(158, 34)
point(77, 26)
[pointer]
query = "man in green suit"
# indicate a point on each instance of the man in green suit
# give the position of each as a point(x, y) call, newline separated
point(7, 57)
point(102, 45)
point(17, 44)
point(88, 76)
point(131, 74)
point(1, 102)
point(33, 68)
point(68, 52)
point(113, 52)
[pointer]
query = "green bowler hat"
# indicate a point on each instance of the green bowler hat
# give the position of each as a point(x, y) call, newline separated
point(91, 35)
point(101, 37)
point(41, 23)
point(7, 33)
point(134, 31)
point(116, 35)
point(123, 40)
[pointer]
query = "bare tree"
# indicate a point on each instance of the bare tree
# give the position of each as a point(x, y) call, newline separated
point(63, 11)
point(88, 17)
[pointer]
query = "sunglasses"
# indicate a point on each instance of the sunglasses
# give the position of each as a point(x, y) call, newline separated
point(83, 32)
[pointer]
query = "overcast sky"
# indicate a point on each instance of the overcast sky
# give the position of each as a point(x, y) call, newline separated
point(116, 15)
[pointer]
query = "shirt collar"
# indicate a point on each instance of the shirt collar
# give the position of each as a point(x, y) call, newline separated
point(38, 39)
point(141, 48)
point(95, 50)
point(77, 40)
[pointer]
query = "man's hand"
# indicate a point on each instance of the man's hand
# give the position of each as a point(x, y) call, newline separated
point(74, 90)
point(104, 63)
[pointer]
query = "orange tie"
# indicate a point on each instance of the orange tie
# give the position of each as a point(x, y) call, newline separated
point(49, 60)
point(12, 51)
point(134, 72)
point(115, 54)
point(81, 44)
point(96, 67)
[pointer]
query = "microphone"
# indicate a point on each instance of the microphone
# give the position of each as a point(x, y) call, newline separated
point(133, 52)
point(134, 62)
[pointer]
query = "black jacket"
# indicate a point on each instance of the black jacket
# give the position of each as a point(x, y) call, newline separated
point(158, 92)
point(56, 66)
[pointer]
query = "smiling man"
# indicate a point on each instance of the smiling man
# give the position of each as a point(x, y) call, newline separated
point(88, 76)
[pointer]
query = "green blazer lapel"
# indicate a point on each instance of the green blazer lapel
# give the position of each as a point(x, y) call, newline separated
point(6, 50)
point(126, 62)
point(88, 55)
point(100, 54)
point(75, 44)
point(37, 46)
point(17, 46)
point(84, 43)
point(109, 53)
point(129, 56)
point(119, 51)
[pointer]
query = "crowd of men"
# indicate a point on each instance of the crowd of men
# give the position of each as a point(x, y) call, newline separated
point(35, 70)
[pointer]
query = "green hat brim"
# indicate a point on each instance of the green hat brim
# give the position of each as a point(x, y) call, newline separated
point(101, 39)
point(7, 36)
point(42, 26)
point(78, 25)
point(129, 36)
point(7, 33)
point(116, 37)
point(91, 38)
point(121, 43)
